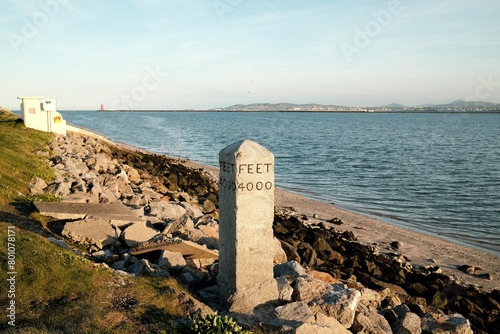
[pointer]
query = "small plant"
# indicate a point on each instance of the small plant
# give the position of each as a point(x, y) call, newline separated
point(217, 324)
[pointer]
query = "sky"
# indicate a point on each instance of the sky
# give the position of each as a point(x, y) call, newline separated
point(202, 54)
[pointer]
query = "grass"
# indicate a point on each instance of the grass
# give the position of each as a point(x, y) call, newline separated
point(18, 162)
point(58, 291)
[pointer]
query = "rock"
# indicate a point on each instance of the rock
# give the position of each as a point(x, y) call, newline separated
point(200, 263)
point(91, 231)
point(210, 296)
point(334, 300)
point(435, 323)
point(323, 276)
point(330, 322)
point(290, 251)
point(310, 289)
point(336, 221)
point(167, 211)
point(208, 206)
point(138, 232)
point(307, 254)
point(209, 228)
point(487, 276)
point(468, 269)
point(396, 244)
point(96, 189)
point(184, 197)
point(153, 270)
point(188, 305)
point(367, 320)
point(61, 189)
point(183, 225)
point(37, 186)
point(116, 185)
point(60, 243)
point(193, 211)
point(107, 196)
point(79, 186)
point(409, 323)
point(290, 268)
point(191, 277)
point(150, 193)
point(134, 266)
point(171, 261)
point(325, 251)
point(132, 174)
point(370, 297)
point(279, 253)
point(296, 311)
point(308, 328)
point(118, 265)
point(285, 290)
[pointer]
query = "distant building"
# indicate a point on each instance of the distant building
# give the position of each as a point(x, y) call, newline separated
point(41, 114)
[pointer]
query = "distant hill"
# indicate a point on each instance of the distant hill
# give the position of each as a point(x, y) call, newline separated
point(394, 105)
point(469, 104)
point(282, 107)
point(455, 106)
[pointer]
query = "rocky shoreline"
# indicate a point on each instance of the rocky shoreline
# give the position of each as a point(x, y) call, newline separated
point(328, 280)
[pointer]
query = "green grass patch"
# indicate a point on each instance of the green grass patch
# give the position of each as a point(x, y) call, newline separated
point(57, 291)
point(18, 162)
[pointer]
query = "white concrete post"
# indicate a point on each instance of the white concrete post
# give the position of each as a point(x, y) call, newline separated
point(246, 202)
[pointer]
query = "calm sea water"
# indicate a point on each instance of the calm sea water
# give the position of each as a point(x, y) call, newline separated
point(433, 173)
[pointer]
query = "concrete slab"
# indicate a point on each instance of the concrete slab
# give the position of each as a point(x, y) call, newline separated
point(188, 249)
point(63, 210)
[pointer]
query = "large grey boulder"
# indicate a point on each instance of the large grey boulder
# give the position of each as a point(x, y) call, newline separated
point(308, 328)
point(330, 322)
point(61, 189)
point(289, 268)
point(435, 323)
point(184, 225)
point(92, 231)
point(171, 261)
point(193, 211)
point(409, 323)
point(132, 174)
point(138, 232)
point(296, 311)
point(368, 320)
point(333, 300)
point(206, 232)
point(167, 210)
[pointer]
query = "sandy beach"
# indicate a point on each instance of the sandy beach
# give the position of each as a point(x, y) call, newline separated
point(419, 248)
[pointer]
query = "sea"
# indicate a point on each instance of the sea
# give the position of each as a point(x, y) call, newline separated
point(434, 173)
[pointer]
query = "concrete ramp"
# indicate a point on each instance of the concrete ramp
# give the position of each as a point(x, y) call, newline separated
point(63, 210)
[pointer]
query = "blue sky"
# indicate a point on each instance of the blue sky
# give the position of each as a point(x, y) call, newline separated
point(181, 54)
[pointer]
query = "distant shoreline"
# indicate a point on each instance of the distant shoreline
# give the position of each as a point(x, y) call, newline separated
point(308, 111)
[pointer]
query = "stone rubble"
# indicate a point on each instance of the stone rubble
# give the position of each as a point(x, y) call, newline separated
point(327, 281)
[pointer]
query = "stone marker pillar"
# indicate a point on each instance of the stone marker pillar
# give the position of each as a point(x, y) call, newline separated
point(246, 202)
